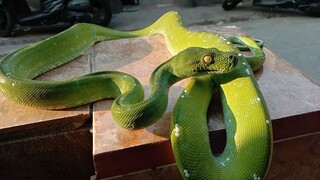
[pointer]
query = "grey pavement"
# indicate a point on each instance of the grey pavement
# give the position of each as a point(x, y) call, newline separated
point(289, 33)
point(293, 38)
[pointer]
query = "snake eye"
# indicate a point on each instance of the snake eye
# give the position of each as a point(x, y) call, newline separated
point(207, 59)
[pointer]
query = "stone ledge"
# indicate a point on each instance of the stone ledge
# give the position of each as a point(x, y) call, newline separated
point(19, 120)
point(47, 144)
point(301, 162)
point(64, 155)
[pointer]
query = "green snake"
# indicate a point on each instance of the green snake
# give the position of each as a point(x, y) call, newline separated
point(214, 62)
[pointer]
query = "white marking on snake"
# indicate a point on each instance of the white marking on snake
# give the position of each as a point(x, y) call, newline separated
point(176, 130)
point(186, 173)
point(255, 177)
point(247, 71)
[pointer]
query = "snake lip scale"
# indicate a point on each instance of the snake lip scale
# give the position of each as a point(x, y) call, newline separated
point(215, 64)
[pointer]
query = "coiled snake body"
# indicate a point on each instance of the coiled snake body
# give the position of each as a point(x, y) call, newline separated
point(211, 59)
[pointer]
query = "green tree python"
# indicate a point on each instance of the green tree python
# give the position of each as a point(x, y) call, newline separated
point(214, 62)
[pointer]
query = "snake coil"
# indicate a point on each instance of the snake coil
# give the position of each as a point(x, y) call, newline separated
point(214, 61)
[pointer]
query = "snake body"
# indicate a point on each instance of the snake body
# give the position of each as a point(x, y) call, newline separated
point(248, 148)
point(212, 59)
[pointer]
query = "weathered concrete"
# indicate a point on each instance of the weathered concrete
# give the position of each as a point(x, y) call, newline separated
point(50, 156)
point(293, 38)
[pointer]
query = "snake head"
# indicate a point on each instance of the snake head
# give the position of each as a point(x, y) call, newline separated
point(196, 61)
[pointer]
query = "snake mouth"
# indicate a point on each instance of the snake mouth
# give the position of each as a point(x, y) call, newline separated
point(228, 67)
point(218, 71)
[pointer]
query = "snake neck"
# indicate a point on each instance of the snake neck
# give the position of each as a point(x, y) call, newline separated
point(142, 113)
point(162, 79)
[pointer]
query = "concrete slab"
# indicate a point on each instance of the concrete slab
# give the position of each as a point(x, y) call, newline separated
point(64, 155)
point(293, 38)
point(20, 119)
point(47, 144)
point(298, 162)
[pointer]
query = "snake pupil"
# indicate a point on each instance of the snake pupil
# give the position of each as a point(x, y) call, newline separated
point(207, 59)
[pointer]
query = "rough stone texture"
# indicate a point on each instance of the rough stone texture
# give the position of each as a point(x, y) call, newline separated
point(292, 98)
point(293, 159)
point(296, 159)
point(64, 155)
point(15, 118)
point(46, 144)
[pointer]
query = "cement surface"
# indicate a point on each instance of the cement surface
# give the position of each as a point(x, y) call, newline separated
point(293, 38)
point(290, 34)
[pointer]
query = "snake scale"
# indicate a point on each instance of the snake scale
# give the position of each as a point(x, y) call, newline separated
point(214, 62)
